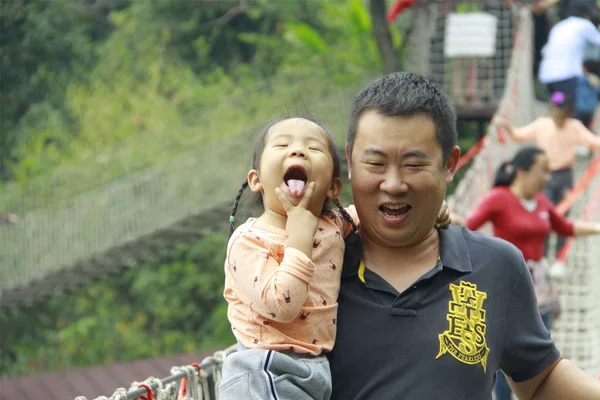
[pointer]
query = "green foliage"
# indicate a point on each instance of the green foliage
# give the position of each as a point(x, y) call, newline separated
point(302, 34)
point(45, 45)
point(95, 93)
point(148, 98)
point(142, 312)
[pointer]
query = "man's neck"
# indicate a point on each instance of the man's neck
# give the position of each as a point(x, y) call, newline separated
point(381, 258)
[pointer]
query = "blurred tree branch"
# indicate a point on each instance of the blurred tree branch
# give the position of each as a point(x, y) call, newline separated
point(383, 37)
point(225, 18)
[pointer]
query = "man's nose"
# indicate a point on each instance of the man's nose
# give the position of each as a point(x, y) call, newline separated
point(394, 183)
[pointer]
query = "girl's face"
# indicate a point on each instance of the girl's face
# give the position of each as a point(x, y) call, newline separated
point(536, 178)
point(296, 152)
point(558, 113)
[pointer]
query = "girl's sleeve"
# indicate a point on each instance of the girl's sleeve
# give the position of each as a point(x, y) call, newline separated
point(274, 290)
point(586, 137)
point(559, 223)
point(487, 209)
point(527, 132)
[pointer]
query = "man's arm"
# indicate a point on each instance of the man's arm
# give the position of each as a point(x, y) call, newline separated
point(562, 380)
point(531, 361)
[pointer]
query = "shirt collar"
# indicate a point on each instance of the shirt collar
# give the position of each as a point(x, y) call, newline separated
point(454, 252)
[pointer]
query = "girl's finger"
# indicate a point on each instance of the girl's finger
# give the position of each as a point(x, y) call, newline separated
point(287, 205)
point(305, 202)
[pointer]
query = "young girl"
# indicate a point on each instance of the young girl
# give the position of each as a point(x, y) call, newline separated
point(283, 269)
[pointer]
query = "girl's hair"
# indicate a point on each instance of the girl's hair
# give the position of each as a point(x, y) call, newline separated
point(561, 101)
point(258, 151)
point(523, 160)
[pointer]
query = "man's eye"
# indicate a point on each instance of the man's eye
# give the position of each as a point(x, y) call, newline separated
point(375, 164)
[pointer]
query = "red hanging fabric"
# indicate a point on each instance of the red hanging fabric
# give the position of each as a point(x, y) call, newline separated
point(397, 8)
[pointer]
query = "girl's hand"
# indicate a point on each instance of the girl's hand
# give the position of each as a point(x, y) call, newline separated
point(457, 220)
point(443, 218)
point(301, 223)
point(499, 121)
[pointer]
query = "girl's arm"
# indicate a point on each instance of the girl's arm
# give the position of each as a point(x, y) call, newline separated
point(522, 134)
point(587, 138)
point(584, 228)
point(565, 227)
point(487, 209)
point(559, 223)
point(274, 290)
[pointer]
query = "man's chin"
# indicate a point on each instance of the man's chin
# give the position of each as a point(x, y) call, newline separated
point(403, 237)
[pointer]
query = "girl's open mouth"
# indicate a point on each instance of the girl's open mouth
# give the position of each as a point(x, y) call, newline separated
point(295, 178)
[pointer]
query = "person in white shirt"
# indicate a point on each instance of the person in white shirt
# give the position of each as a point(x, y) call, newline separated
point(563, 55)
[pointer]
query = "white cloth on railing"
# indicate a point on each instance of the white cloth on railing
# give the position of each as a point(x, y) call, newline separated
point(119, 394)
point(547, 298)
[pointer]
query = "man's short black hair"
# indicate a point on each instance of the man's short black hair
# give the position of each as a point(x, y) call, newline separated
point(406, 94)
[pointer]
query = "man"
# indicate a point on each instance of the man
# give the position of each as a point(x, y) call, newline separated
point(562, 61)
point(428, 314)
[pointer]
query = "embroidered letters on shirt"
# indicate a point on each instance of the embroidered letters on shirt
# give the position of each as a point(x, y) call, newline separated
point(465, 337)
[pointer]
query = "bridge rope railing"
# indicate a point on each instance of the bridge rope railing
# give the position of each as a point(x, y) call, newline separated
point(518, 105)
point(140, 216)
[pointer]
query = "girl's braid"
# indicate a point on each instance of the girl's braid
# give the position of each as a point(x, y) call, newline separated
point(345, 214)
point(235, 207)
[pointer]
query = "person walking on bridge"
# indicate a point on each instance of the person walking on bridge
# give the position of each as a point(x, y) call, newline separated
point(559, 136)
point(522, 215)
point(563, 55)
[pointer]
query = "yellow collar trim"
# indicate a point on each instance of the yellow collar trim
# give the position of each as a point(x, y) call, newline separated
point(361, 271)
point(362, 266)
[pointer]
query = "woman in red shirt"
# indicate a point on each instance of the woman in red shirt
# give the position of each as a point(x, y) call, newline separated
point(521, 214)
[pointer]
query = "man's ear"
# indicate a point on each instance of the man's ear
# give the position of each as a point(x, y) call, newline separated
point(452, 164)
point(349, 161)
point(335, 189)
point(254, 181)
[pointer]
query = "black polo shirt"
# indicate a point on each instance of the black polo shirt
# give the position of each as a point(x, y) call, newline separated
point(446, 335)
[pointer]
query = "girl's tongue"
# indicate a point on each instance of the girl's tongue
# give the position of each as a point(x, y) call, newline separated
point(296, 187)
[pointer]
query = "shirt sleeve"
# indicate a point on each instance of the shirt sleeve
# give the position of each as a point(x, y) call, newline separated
point(586, 137)
point(592, 34)
point(528, 347)
point(487, 209)
point(560, 224)
point(527, 132)
point(274, 290)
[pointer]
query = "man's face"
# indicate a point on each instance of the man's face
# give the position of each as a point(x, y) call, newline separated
point(398, 177)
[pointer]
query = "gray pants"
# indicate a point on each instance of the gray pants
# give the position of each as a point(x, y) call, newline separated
point(560, 183)
point(256, 374)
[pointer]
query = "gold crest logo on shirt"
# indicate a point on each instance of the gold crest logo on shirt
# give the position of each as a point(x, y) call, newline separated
point(465, 337)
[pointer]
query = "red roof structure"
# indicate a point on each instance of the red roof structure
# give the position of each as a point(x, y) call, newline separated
point(92, 382)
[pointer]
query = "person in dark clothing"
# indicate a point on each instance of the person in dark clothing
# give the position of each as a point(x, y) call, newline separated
point(565, 7)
